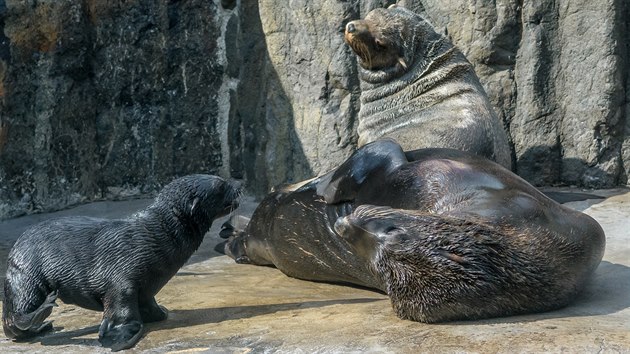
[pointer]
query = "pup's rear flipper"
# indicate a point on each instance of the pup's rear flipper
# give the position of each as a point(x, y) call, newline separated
point(27, 325)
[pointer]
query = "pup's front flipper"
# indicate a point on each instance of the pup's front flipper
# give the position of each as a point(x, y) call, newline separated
point(121, 327)
point(119, 336)
point(151, 311)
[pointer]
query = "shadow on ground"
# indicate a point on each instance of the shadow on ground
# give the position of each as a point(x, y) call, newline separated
point(219, 306)
point(193, 317)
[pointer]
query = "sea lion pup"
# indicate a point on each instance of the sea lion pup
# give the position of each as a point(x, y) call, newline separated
point(419, 89)
point(446, 234)
point(114, 266)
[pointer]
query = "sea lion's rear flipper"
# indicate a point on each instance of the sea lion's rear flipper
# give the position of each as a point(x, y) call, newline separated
point(234, 231)
point(24, 325)
point(234, 226)
point(34, 321)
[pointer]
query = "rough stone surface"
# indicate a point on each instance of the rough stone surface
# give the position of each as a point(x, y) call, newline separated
point(308, 96)
point(218, 306)
point(556, 73)
point(107, 99)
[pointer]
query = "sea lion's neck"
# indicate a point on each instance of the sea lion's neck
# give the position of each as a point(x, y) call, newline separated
point(388, 105)
point(430, 68)
point(181, 228)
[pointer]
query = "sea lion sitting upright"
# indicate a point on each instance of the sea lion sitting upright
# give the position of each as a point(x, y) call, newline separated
point(446, 234)
point(419, 89)
point(114, 266)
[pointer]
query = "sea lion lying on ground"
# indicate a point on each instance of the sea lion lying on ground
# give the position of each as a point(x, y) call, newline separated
point(114, 266)
point(419, 89)
point(446, 234)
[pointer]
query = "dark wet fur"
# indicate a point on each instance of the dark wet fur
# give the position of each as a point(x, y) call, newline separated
point(115, 266)
point(439, 268)
point(447, 234)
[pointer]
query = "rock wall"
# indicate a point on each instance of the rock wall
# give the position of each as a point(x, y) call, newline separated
point(298, 96)
point(556, 72)
point(109, 99)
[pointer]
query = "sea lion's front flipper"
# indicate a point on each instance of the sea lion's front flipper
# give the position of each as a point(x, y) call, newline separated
point(119, 336)
point(122, 326)
point(150, 311)
point(370, 161)
point(235, 249)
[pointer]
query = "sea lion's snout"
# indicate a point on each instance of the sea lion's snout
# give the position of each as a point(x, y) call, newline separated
point(350, 27)
point(356, 28)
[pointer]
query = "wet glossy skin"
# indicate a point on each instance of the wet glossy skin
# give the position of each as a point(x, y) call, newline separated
point(114, 266)
point(356, 223)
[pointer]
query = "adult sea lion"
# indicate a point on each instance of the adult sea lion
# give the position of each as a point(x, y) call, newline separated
point(446, 234)
point(419, 89)
point(114, 266)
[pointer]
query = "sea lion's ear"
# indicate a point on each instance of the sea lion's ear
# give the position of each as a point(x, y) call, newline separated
point(402, 62)
point(193, 205)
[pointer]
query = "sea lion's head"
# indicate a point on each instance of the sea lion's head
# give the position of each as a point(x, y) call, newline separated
point(199, 199)
point(437, 268)
point(387, 39)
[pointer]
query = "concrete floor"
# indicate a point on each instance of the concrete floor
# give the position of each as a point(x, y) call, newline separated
point(217, 306)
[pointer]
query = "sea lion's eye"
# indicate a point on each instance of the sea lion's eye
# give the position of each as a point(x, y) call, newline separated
point(392, 229)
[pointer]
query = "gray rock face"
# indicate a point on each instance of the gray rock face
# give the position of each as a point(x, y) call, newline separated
point(309, 99)
point(419, 89)
point(556, 74)
point(104, 99)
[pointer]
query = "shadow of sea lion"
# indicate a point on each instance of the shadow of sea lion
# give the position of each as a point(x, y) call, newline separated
point(69, 337)
point(194, 317)
point(567, 197)
point(606, 293)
